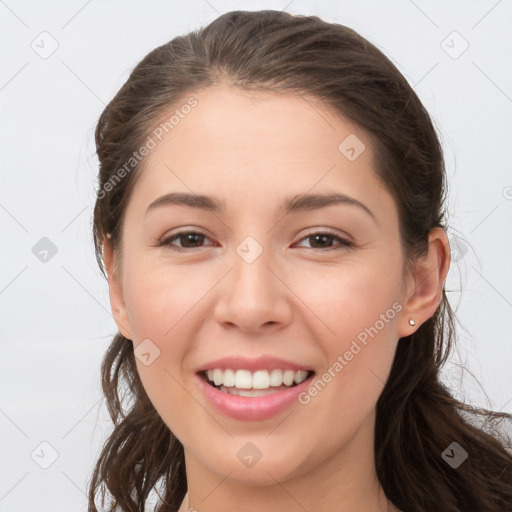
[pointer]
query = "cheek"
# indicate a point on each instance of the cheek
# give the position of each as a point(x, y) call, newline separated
point(349, 298)
point(163, 303)
point(358, 311)
point(159, 304)
point(159, 317)
point(159, 297)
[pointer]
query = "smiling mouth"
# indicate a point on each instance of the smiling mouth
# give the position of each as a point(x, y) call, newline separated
point(254, 384)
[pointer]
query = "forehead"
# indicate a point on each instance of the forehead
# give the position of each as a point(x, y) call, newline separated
point(229, 122)
point(250, 146)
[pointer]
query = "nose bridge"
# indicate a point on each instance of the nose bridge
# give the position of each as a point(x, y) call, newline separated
point(252, 280)
point(252, 296)
point(251, 273)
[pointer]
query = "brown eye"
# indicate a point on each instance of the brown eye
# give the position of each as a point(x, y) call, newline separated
point(324, 241)
point(187, 240)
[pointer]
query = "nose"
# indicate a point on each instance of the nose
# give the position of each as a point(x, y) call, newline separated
point(253, 297)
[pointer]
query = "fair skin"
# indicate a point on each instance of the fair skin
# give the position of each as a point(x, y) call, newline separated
point(303, 299)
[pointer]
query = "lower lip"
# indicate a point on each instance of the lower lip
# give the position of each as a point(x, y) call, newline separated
point(252, 408)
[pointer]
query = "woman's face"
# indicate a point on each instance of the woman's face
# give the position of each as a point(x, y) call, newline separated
point(273, 288)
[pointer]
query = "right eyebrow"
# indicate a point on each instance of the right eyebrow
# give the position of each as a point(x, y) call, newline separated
point(206, 203)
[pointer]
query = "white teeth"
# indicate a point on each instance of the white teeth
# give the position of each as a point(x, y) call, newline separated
point(251, 393)
point(300, 376)
point(276, 377)
point(260, 379)
point(243, 379)
point(288, 377)
point(229, 378)
point(217, 377)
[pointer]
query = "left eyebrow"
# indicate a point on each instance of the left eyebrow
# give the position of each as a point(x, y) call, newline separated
point(304, 202)
point(301, 202)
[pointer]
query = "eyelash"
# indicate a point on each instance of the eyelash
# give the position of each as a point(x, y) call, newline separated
point(343, 243)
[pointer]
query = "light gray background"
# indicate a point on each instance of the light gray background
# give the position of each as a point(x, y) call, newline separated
point(55, 315)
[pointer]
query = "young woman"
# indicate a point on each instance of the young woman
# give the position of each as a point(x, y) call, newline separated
point(270, 219)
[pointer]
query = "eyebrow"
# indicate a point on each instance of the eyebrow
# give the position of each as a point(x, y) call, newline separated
point(301, 202)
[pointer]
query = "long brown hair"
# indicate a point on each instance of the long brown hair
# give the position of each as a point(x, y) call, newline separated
point(417, 417)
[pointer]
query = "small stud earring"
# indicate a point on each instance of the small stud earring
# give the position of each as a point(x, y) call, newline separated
point(411, 321)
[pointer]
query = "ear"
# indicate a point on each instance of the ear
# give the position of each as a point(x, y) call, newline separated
point(116, 290)
point(425, 284)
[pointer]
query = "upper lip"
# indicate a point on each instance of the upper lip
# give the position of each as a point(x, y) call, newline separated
point(260, 363)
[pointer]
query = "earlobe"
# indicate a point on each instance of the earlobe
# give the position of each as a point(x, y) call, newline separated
point(427, 281)
point(117, 302)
